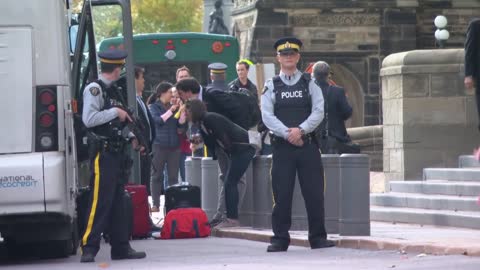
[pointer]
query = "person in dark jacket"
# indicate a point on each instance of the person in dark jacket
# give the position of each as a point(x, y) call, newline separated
point(166, 146)
point(149, 132)
point(472, 60)
point(219, 132)
point(242, 81)
point(335, 138)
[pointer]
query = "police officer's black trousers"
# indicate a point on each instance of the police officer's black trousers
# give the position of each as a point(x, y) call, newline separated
point(106, 207)
point(287, 161)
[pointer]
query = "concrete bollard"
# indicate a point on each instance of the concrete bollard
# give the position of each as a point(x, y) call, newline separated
point(210, 186)
point(245, 210)
point(354, 215)
point(331, 169)
point(262, 192)
point(193, 171)
point(331, 166)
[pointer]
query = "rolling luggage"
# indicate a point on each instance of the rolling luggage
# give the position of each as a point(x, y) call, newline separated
point(185, 223)
point(141, 214)
point(182, 195)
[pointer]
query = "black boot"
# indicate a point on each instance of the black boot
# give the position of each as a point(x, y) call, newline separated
point(127, 255)
point(277, 248)
point(322, 243)
point(87, 257)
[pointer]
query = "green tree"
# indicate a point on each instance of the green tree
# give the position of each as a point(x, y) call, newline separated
point(149, 16)
point(156, 16)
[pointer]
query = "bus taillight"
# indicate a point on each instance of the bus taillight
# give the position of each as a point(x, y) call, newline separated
point(46, 126)
point(217, 47)
point(47, 96)
point(46, 119)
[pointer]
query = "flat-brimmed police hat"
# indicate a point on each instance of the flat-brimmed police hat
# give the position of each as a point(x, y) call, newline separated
point(217, 68)
point(116, 57)
point(287, 44)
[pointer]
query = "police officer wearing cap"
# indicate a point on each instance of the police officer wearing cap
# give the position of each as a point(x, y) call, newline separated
point(292, 107)
point(218, 77)
point(107, 139)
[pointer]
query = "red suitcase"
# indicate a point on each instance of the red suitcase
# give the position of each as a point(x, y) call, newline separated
point(185, 223)
point(141, 215)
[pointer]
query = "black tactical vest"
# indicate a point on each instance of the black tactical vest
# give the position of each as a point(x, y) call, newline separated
point(293, 103)
point(113, 129)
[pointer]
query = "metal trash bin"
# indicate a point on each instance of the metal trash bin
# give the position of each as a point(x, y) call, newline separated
point(354, 215)
point(210, 186)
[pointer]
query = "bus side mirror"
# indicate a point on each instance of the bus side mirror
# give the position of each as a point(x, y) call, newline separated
point(73, 31)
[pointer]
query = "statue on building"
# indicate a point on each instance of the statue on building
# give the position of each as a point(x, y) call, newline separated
point(217, 25)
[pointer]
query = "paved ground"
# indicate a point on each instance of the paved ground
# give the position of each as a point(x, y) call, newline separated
point(387, 236)
point(217, 253)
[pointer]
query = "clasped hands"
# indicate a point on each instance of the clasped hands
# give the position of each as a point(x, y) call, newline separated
point(295, 136)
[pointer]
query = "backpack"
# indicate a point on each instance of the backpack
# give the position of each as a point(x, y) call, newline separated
point(185, 223)
point(247, 114)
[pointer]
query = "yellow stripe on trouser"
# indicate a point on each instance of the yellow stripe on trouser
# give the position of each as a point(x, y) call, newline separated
point(95, 200)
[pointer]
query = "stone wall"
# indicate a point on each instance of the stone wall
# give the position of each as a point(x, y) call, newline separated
point(429, 119)
point(354, 36)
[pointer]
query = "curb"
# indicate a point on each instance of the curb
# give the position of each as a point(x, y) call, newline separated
point(403, 246)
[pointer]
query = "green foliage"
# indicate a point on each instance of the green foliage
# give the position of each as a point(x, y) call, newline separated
point(149, 16)
point(157, 16)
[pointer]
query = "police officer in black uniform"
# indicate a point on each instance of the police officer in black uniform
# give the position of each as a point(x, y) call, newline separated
point(108, 138)
point(218, 77)
point(292, 107)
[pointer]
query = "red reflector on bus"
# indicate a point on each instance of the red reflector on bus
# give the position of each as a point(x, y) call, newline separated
point(121, 47)
point(112, 47)
point(47, 97)
point(169, 47)
point(227, 44)
point(217, 47)
point(184, 41)
point(46, 119)
point(169, 41)
point(52, 108)
point(155, 42)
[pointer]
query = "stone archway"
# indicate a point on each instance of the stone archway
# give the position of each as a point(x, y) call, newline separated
point(354, 90)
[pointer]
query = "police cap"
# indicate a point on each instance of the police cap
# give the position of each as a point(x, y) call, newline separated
point(217, 68)
point(116, 57)
point(288, 44)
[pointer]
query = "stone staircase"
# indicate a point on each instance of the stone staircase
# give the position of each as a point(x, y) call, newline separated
point(446, 197)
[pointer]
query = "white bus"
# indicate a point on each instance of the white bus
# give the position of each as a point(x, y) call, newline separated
point(39, 84)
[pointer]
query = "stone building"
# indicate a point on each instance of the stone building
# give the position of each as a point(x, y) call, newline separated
point(353, 35)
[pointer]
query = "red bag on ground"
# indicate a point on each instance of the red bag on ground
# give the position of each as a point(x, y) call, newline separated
point(185, 223)
point(141, 214)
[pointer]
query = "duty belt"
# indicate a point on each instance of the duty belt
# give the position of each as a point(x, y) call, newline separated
point(105, 144)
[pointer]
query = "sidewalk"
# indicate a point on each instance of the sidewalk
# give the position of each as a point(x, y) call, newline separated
point(405, 238)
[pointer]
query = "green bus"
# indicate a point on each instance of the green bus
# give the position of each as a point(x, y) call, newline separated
point(162, 54)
